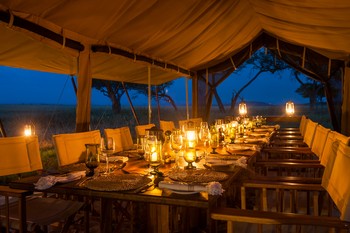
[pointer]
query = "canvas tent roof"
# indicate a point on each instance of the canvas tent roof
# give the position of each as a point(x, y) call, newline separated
point(119, 40)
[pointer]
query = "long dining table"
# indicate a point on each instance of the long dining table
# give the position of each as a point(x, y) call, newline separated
point(160, 201)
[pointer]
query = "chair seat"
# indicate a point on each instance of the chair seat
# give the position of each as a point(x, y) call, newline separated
point(41, 211)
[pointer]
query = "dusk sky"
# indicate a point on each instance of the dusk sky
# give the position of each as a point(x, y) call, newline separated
point(20, 86)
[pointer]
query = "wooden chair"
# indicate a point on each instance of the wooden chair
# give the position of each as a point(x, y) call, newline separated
point(305, 137)
point(70, 148)
point(167, 125)
point(197, 121)
point(20, 209)
point(122, 138)
point(315, 141)
point(285, 204)
point(141, 129)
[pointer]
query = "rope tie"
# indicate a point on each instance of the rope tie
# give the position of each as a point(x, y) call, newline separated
point(233, 64)
point(12, 18)
point(109, 49)
point(278, 48)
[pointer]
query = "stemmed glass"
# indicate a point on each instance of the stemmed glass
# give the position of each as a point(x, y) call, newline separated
point(107, 148)
point(176, 143)
point(92, 159)
point(141, 146)
point(204, 136)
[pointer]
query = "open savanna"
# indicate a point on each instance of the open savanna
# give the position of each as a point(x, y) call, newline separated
point(56, 119)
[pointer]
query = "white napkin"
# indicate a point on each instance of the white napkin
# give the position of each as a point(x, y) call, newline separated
point(234, 147)
point(179, 186)
point(241, 162)
point(46, 182)
point(213, 188)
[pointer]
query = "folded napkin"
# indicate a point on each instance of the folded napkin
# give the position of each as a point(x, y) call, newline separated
point(234, 148)
point(46, 182)
point(241, 162)
point(259, 134)
point(213, 188)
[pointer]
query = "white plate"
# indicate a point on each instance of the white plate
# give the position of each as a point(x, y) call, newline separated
point(183, 192)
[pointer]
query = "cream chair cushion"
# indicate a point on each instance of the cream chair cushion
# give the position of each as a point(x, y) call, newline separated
point(167, 125)
point(19, 154)
point(70, 148)
point(339, 185)
point(197, 122)
point(122, 138)
point(141, 129)
point(329, 154)
point(310, 132)
point(319, 140)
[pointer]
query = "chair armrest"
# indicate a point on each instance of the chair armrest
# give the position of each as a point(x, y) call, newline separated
point(265, 217)
point(7, 191)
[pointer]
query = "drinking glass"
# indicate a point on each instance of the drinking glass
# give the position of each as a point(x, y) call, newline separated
point(107, 148)
point(92, 159)
point(141, 147)
point(204, 136)
point(176, 143)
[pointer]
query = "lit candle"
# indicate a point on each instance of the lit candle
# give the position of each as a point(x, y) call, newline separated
point(190, 155)
point(290, 108)
point(154, 157)
point(28, 131)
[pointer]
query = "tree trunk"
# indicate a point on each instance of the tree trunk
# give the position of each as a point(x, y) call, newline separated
point(234, 99)
point(116, 106)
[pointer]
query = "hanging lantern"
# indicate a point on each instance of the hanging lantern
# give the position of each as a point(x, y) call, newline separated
point(289, 108)
point(29, 130)
point(242, 108)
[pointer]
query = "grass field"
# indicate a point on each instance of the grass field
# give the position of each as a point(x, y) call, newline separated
point(49, 120)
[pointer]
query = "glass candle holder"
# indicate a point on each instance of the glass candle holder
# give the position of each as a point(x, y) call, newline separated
point(190, 157)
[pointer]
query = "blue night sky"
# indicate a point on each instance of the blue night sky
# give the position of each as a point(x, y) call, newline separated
point(20, 86)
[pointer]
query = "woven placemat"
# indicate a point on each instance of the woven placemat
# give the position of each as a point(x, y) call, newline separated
point(197, 175)
point(81, 167)
point(122, 182)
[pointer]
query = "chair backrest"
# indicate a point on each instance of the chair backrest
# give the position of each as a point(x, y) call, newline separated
point(197, 122)
point(339, 186)
point(167, 125)
point(122, 138)
point(302, 126)
point(328, 149)
point(319, 140)
point(310, 132)
point(70, 148)
point(330, 152)
point(19, 154)
point(141, 129)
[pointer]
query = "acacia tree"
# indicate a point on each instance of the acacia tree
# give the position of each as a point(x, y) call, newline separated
point(310, 89)
point(261, 62)
point(114, 90)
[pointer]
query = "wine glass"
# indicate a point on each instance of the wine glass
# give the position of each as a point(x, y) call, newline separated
point(92, 159)
point(141, 147)
point(107, 148)
point(176, 143)
point(204, 136)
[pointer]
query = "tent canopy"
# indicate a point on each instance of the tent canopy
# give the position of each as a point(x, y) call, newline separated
point(120, 39)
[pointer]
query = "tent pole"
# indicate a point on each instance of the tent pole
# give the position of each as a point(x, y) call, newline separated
point(187, 110)
point(149, 96)
point(74, 84)
point(131, 105)
point(158, 105)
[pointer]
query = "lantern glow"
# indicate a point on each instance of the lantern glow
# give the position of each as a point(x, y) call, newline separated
point(290, 108)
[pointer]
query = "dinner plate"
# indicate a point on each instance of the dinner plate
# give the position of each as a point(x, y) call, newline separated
point(183, 192)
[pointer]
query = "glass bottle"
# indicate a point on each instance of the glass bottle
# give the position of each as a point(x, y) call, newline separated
point(167, 152)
